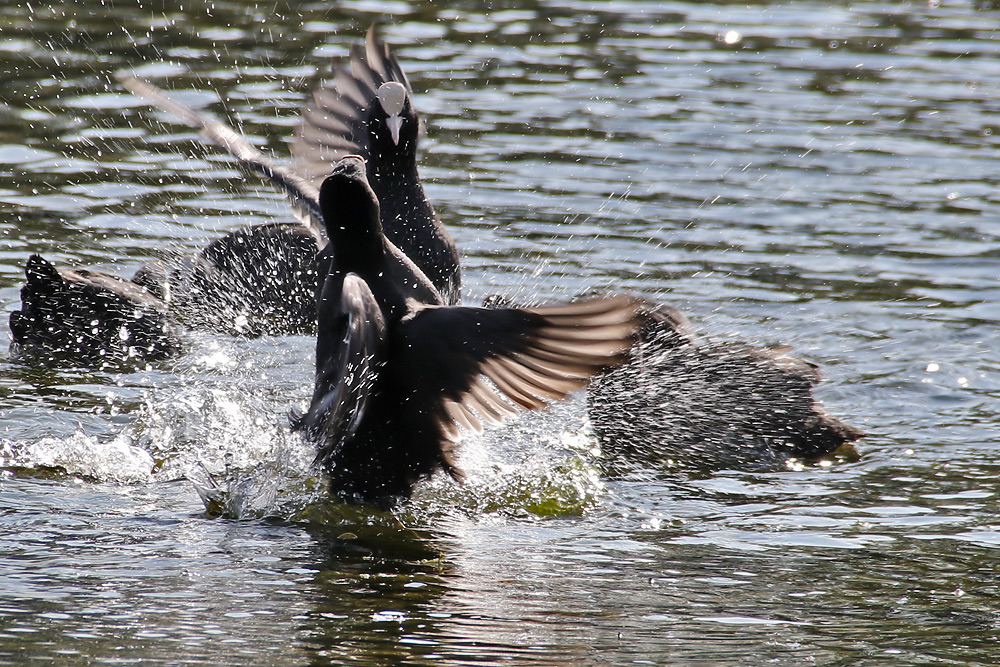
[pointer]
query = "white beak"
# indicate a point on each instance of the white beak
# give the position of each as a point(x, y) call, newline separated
point(394, 123)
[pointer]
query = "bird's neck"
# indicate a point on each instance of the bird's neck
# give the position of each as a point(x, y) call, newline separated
point(405, 209)
point(357, 253)
point(396, 168)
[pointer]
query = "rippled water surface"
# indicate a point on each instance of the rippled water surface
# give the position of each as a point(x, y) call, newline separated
point(821, 175)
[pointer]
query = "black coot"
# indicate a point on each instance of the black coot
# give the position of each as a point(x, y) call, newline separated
point(686, 401)
point(397, 373)
point(87, 318)
point(368, 111)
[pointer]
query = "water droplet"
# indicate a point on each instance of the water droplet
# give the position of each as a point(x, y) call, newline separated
point(388, 616)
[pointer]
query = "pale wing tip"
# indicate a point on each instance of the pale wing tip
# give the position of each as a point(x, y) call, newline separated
point(575, 342)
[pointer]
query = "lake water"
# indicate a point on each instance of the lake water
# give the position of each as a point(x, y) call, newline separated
point(821, 175)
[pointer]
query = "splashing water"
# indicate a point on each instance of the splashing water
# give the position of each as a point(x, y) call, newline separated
point(540, 465)
point(117, 460)
point(233, 445)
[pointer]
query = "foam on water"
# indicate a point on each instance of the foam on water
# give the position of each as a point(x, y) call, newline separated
point(233, 444)
point(115, 460)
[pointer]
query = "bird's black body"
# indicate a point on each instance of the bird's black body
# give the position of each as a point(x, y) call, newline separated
point(701, 404)
point(87, 318)
point(253, 281)
point(396, 370)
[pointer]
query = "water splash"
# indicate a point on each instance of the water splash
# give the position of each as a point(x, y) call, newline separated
point(117, 460)
point(542, 465)
point(233, 445)
point(280, 488)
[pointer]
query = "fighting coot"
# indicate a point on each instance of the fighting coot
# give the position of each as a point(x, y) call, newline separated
point(87, 318)
point(397, 373)
point(368, 111)
point(686, 401)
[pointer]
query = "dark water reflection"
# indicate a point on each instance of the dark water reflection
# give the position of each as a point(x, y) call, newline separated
point(820, 175)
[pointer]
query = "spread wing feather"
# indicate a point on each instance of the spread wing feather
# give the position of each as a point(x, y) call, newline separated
point(301, 194)
point(334, 122)
point(528, 356)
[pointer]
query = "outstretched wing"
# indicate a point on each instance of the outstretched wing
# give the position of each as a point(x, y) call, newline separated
point(529, 356)
point(349, 349)
point(301, 194)
point(334, 122)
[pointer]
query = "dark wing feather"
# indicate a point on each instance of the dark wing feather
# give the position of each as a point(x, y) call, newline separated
point(349, 350)
point(301, 194)
point(530, 356)
point(328, 128)
point(334, 122)
point(379, 52)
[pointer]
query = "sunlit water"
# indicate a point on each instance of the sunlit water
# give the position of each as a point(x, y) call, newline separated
point(813, 174)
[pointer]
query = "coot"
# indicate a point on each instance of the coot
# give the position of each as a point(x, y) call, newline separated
point(686, 401)
point(88, 318)
point(397, 372)
point(368, 110)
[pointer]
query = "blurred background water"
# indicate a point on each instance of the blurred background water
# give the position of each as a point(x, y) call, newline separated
point(821, 175)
